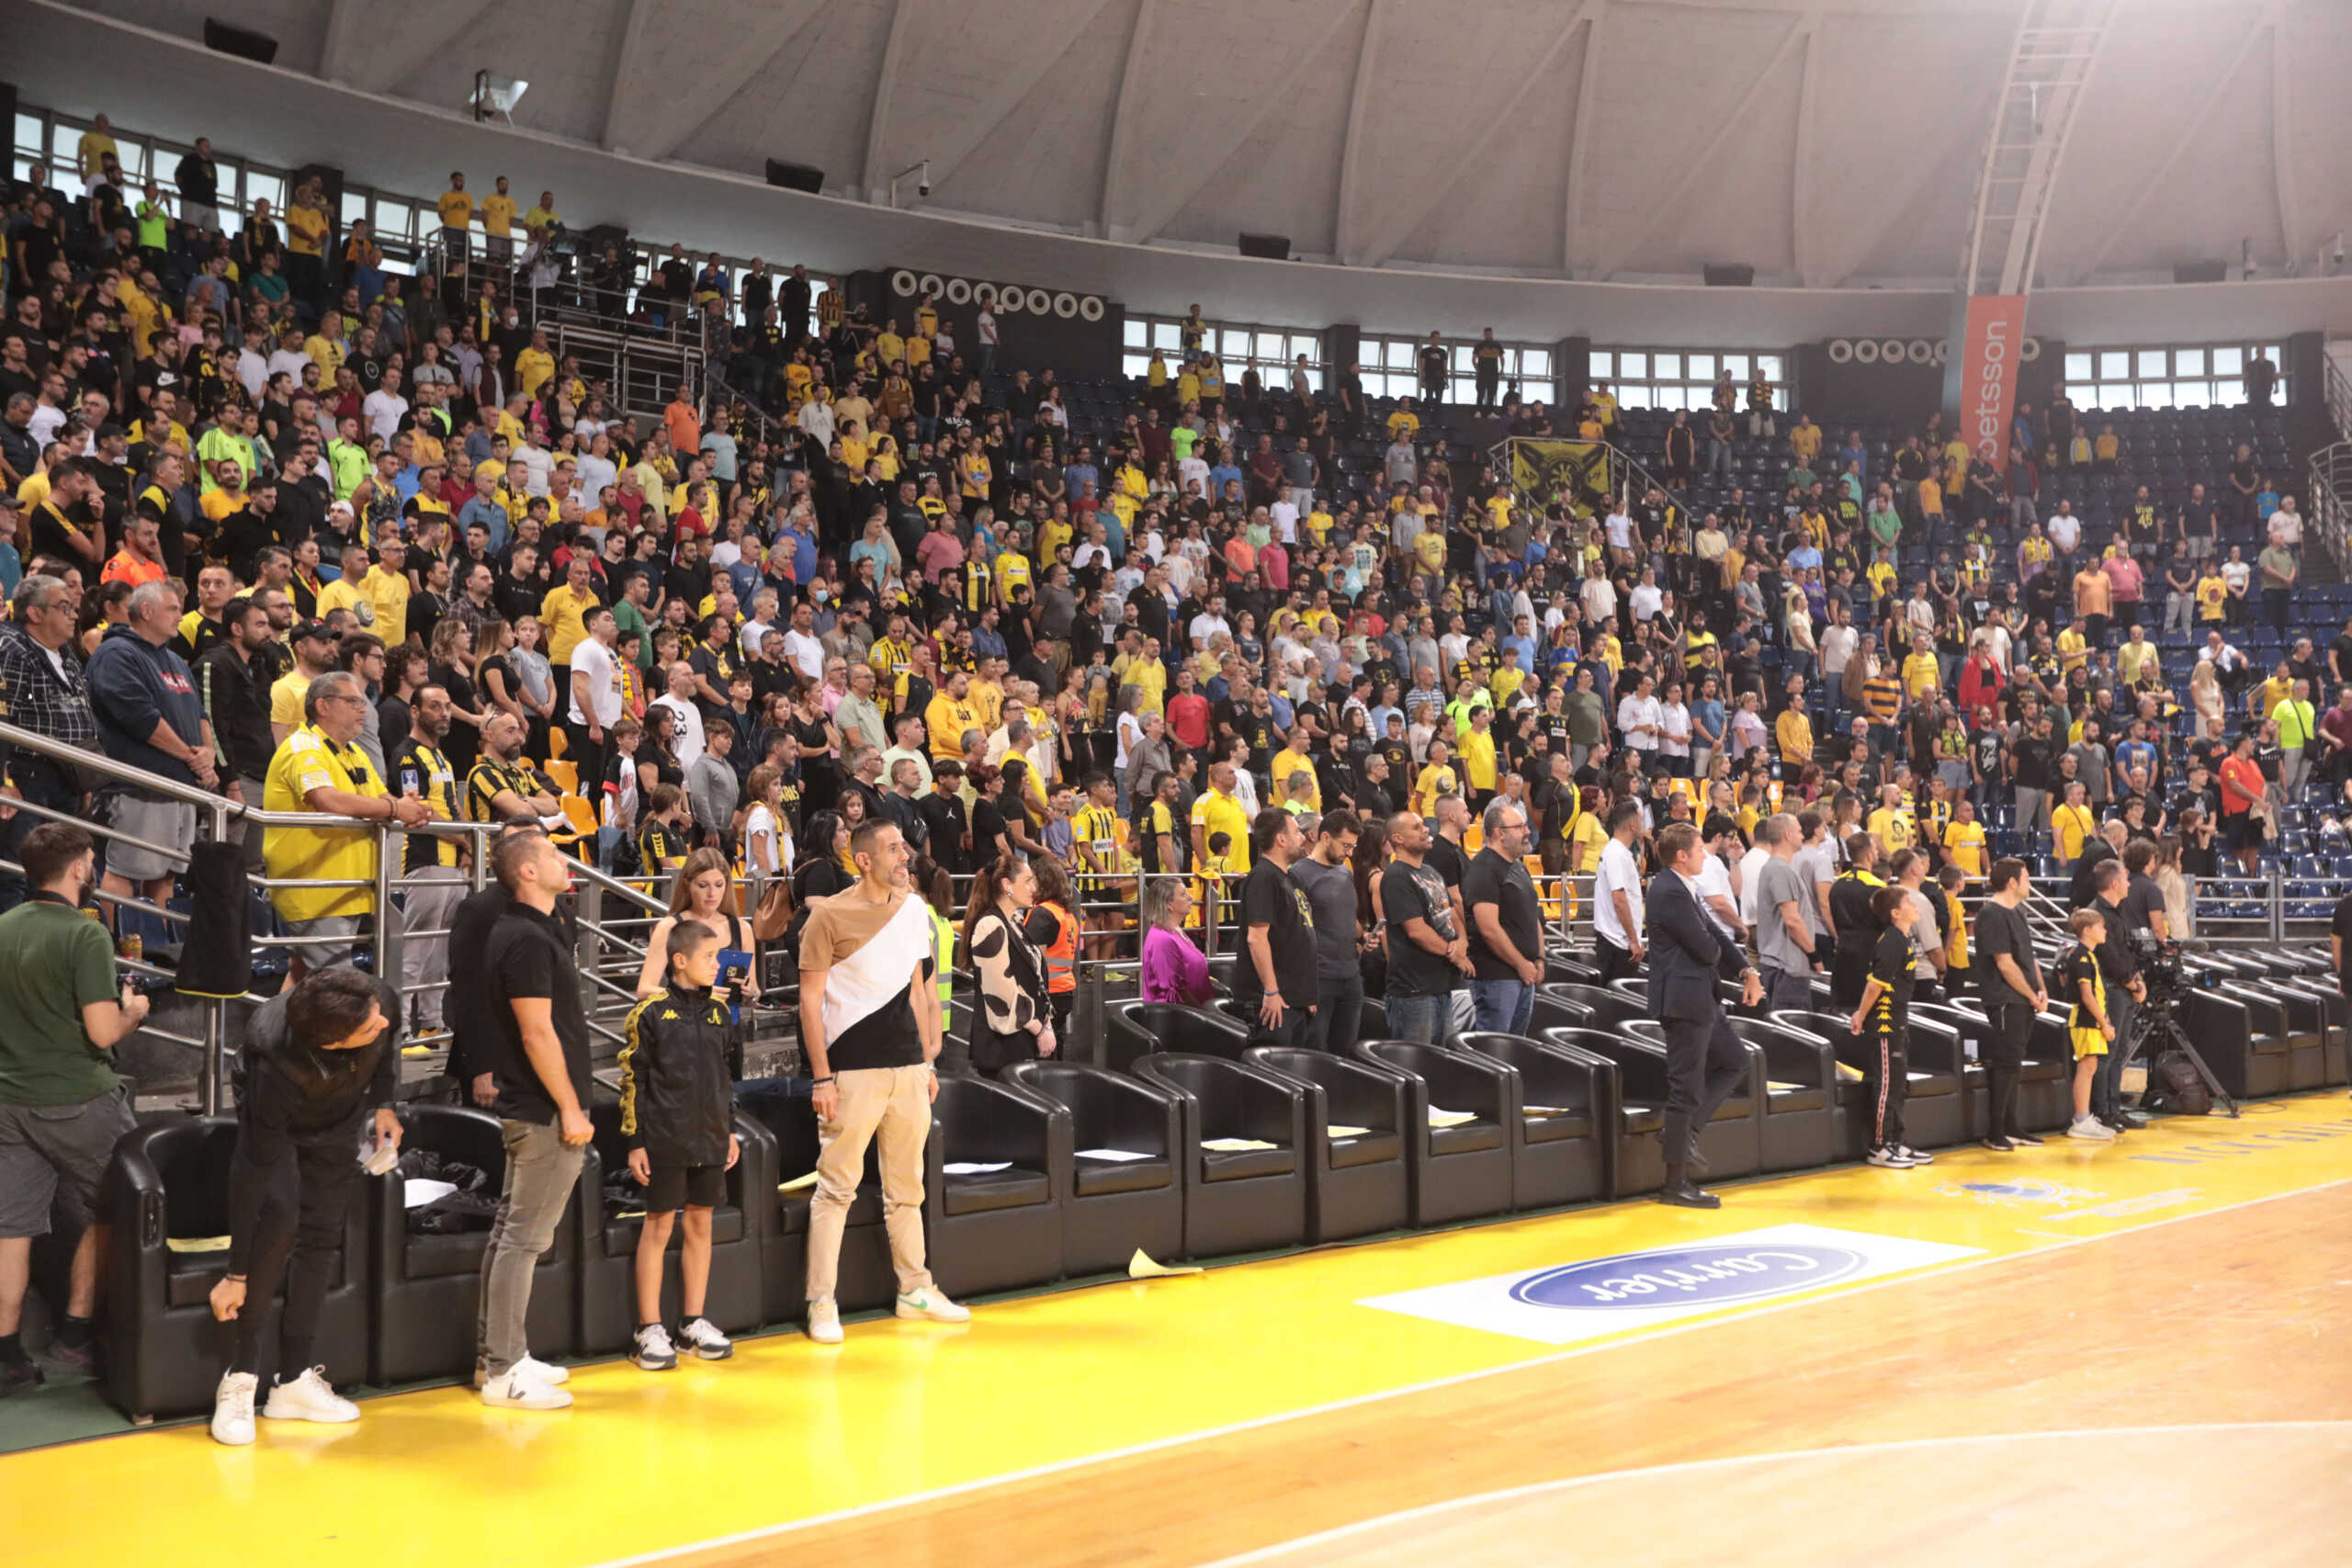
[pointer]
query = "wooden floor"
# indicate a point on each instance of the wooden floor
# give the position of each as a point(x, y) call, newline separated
point(2178, 1306)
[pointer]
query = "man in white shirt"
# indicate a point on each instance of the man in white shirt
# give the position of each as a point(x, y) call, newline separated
point(537, 463)
point(596, 468)
point(1716, 895)
point(1617, 895)
point(2065, 529)
point(384, 407)
point(1641, 719)
point(685, 738)
point(801, 649)
point(1751, 867)
point(1210, 622)
point(1286, 520)
point(755, 630)
point(288, 357)
point(595, 675)
point(1647, 598)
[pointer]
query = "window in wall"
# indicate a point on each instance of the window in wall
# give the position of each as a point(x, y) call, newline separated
point(1241, 346)
point(1392, 367)
point(1685, 378)
point(2191, 376)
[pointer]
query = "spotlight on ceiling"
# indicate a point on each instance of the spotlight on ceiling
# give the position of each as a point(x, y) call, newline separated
point(497, 96)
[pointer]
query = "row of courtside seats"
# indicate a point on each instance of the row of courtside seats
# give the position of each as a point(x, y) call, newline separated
point(1226, 1148)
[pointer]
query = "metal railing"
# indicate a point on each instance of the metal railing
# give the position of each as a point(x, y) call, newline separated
point(218, 818)
point(2330, 472)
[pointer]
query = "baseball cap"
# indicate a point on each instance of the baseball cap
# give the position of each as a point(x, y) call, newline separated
point(312, 629)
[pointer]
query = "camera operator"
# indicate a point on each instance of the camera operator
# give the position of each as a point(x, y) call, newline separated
point(2118, 969)
point(2145, 903)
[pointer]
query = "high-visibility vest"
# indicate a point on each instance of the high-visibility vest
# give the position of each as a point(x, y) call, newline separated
point(1062, 954)
point(943, 955)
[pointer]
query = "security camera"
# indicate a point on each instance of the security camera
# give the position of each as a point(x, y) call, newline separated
point(923, 187)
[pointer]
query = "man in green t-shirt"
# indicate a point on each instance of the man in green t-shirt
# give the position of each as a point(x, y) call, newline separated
point(61, 1105)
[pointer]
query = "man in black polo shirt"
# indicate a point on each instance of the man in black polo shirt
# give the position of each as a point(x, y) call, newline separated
point(541, 1064)
point(1274, 981)
point(2119, 971)
point(1506, 924)
point(2010, 979)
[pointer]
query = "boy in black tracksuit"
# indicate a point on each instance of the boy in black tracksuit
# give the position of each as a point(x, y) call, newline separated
point(317, 1062)
point(677, 1112)
point(1882, 1023)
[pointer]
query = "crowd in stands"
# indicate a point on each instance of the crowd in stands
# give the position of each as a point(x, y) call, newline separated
point(288, 526)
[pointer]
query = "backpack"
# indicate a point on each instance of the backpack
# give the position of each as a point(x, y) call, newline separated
point(2179, 1088)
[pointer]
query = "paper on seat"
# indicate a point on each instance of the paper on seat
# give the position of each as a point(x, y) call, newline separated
point(1450, 1118)
point(798, 1183)
point(1234, 1146)
point(1123, 1156)
point(196, 1243)
point(1547, 1110)
point(1339, 1134)
point(976, 1167)
point(418, 1190)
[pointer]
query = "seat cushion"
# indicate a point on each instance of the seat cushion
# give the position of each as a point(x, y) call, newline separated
point(1642, 1117)
point(189, 1276)
point(1244, 1163)
point(866, 1208)
point(620, 1235)
point(1099, 1177)
point(1931, 1085)
point(1469, 1137)
point(1739, 1108)
point(1782, 1101)
point(1372, 1148)
point(1556, 1129)
point(435, 1257)
point(1013, 1188)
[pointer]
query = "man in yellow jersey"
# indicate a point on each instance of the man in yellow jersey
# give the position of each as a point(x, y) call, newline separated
point(321, 767)
point(1293, 759)
point(1216, 811)
point(949, 716)
point(1478, 769)
point(563, 615)
point(457, 216)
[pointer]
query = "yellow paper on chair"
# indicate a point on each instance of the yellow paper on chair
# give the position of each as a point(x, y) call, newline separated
point(1234, 1146)
point(797, 1183)
point(1142, 1266)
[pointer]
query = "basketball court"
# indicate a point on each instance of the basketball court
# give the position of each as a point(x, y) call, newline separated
point(2128, 1353)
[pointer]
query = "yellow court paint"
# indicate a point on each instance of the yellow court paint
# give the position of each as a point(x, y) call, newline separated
point(787, 1432)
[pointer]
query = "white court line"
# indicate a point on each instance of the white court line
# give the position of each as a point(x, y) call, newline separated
point(1743, 1461)
point(1455, 1380)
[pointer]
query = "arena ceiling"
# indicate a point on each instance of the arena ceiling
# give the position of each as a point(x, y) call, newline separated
point(1827, 143)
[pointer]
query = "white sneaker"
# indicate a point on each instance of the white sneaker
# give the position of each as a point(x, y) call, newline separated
point(1915, 1156)
point(2090, 1129)
point(824, 1322)
point(514, 1392)
point(652, 1351)
point(539, 1372)
point(309, 1398)
point(702, 1337)
point(233, 1410)
point(929, 1304)
point(1889, 1158)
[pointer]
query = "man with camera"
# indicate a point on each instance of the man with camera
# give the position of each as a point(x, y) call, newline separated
point(2119, 968)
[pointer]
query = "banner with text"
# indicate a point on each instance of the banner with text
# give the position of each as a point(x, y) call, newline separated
point(1990, 345)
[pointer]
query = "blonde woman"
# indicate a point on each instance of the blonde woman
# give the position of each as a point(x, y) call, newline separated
point(2205, 697)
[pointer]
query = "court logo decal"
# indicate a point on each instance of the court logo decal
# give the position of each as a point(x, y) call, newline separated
point(2020, 1194)
point(1722, 1272)
point(1562, 1303)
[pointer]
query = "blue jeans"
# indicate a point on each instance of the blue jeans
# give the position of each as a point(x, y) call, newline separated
point(1428, 1019)
point(1504, 1006)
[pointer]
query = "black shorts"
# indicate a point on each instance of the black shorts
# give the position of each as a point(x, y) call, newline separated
point(674, 1187)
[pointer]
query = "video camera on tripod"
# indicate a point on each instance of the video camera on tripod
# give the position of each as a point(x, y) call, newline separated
point(2171, 976)
point(2166, 967)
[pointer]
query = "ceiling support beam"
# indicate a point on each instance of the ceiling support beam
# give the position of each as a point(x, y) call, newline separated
point(2282, 161)
point(1165, 204)
point(1352, 147)
point(1697, 168)
point(346, 34)
point(1803, 249)
point(2192, 125)
point(1407, 214)
point(877, 119)
point(1017, 84)
point(1581, 134)
point(616, 86)
point(384, 58)
point(1131, 79)
point(652, 120)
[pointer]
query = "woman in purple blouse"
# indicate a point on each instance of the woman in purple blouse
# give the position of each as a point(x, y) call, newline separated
point(1173, 969)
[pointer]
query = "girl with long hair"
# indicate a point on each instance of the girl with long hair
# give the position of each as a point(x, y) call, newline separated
point(704, 893)
point(1014, 1022)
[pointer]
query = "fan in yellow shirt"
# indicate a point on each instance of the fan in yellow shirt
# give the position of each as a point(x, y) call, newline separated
point(1964, 840)
point(457, 206)
point(2073, 824)
point(1921, 676)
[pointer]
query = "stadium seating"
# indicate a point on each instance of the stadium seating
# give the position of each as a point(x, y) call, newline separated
point(605, 1278)
point(1568, 1109)
point(1361, 1183)
point(160, 1350)
point(425, 1290)
point(995, 1230)
point(789, 1152)
point(1111, 1208)
point(1468, 1168)
point(1240, 1199)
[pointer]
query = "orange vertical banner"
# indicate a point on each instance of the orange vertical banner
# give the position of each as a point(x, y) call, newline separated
point(1989, 357)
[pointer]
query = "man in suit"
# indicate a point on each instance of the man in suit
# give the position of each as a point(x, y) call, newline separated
point(1704, 1060)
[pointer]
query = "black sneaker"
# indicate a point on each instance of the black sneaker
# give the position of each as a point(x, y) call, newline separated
point(1999, 1144)
point(2025, 1140)
point(16, 1377)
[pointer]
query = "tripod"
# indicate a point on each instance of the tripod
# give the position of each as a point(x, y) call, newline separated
point(2157, 1026)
